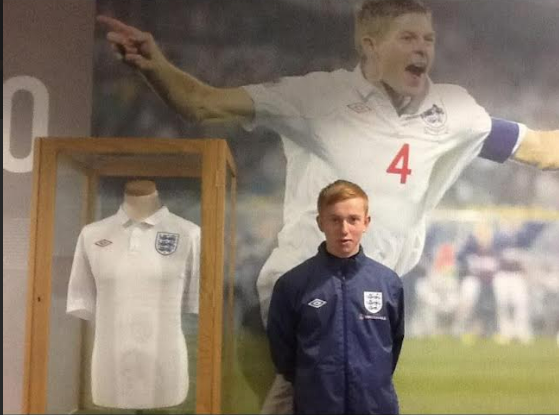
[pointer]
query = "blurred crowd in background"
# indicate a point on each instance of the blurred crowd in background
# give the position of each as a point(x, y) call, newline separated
point(505, 52)
point(486, 279)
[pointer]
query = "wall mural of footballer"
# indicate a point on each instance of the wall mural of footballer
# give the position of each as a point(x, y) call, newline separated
point(309, 92)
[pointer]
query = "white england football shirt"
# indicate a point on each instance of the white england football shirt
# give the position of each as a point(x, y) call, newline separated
point(129, 277)
point(337, 125)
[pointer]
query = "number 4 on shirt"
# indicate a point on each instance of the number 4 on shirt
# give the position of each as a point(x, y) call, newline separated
point(400, 164)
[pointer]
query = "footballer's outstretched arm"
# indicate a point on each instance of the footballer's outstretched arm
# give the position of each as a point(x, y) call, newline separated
point(540, 149)
point(190, 97)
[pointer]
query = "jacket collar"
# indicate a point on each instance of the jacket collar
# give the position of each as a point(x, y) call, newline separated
point(344, 266)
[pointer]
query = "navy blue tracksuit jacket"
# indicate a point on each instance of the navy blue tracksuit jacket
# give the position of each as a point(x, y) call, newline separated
point(336, 327)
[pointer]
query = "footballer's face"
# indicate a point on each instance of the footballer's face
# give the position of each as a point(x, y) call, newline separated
point(343, 224)
point(403, 55)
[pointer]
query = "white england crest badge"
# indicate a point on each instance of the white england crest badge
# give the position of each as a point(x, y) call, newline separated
point(166, 243)
point(435, 120)
point(372, 301)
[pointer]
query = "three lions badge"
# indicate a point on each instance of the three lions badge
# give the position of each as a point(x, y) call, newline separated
point(166, 243)
point(372, 301)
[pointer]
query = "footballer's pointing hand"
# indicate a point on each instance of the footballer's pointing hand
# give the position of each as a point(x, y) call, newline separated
point(134, 47)
point(193, 99)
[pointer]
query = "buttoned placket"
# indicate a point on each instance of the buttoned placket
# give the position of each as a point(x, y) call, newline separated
point(381, 100)
point(135, 236)
point(138, 230)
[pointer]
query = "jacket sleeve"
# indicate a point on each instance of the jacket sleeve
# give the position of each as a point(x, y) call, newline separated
point(398, 328)
point(281, 330)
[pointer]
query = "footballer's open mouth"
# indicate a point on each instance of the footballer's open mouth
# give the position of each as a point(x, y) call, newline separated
point(416, 69)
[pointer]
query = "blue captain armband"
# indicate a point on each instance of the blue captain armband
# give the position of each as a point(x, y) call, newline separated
point(502, 140)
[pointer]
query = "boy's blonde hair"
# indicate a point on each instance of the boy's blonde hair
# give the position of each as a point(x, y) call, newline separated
point(339, 191)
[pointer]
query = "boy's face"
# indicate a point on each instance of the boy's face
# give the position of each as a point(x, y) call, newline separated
point(343, 224)
point(404, 54)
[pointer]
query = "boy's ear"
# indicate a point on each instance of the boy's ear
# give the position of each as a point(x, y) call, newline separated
point(319, 223)
point(367, 222)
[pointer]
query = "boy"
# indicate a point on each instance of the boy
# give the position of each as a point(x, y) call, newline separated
point(336, 321)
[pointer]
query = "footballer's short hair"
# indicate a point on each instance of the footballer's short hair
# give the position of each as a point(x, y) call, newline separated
point(373, 18)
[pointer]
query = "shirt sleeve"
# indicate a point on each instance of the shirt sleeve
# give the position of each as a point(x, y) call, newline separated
point(398, 328)
point(191, 296)
point(279, 107)
point(82, 292)
point(288, 105)
point(281, 332)
point(503, 140)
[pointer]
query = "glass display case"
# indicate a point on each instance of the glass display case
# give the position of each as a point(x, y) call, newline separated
point(127, 314)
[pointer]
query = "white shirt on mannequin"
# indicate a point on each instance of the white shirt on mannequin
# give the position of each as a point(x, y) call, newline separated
point(129, 277)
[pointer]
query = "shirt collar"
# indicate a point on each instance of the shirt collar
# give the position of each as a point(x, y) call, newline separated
point(123, 219)
point(366, 89)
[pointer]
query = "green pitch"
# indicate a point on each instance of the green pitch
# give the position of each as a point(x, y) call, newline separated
point(446, 376)
point(436, 376)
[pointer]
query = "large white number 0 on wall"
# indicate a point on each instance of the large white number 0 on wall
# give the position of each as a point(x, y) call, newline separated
point(39, 119)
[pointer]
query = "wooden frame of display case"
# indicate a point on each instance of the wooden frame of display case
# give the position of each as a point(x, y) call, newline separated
point(216, 163)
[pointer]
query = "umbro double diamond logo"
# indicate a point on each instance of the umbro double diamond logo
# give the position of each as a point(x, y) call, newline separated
point(317, 303)
point(103, 243)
